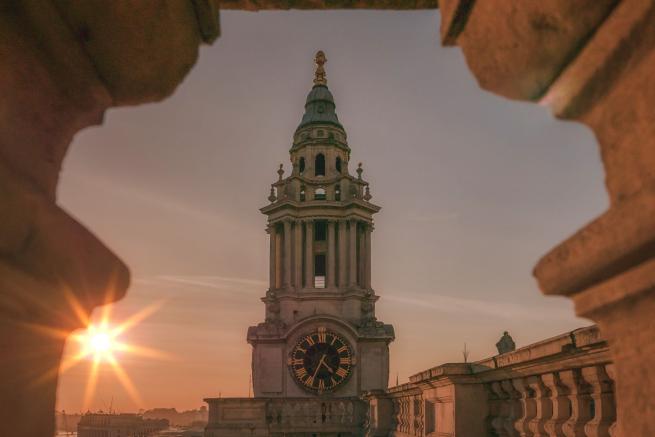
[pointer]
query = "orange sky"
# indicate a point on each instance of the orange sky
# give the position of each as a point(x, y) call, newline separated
point(474, 189)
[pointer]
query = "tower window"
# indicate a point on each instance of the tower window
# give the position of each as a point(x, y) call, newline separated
point(302, 193)
point(319, 194)
point(319, 271)
point(320, 230)
point(338, 164)
point(319, 165)
point(337, 192)
point(301, 165)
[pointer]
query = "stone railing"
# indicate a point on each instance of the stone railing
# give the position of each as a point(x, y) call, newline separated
point(560, 387)
point(264, 416)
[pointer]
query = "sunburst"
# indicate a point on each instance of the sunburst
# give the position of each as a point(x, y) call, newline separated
point(101, 344)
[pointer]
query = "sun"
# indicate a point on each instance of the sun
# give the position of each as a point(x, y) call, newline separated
point(101, 344)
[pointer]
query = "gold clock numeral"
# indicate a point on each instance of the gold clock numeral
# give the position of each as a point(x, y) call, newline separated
point(345, 360)
point(333, 381)
point(322, 336)
point(342, 348)
point(297, 361)
point(310, 340)
point(301, 372)
point(334, 339)
point(321, 384)
point(310, 381)
point(341, 372)
point(299, 349)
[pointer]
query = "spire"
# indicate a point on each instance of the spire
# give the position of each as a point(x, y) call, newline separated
point(319, 76)
point(319, 107)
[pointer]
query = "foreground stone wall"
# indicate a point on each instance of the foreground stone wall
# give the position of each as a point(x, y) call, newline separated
point(64, 63)
point(563, 386)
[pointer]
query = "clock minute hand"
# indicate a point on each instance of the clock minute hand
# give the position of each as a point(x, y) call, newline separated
point(319, 366)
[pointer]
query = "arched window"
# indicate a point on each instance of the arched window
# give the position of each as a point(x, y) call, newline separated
point(338, 164)
point(302, 193)
point(319, 165)
point(337, 192)
point(301, 165)
point(319, 194)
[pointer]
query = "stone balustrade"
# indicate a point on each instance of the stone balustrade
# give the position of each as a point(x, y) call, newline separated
point(267, 416)
point(560, 387)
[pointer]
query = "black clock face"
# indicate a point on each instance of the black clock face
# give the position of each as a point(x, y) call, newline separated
point(321, 361)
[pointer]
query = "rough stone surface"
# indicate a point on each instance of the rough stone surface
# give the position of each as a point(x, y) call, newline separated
point(63, 64)
point(531, 44)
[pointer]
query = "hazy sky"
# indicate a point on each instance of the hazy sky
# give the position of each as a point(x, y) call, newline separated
point(474, 189)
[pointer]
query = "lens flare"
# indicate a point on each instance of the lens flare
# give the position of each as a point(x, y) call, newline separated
point(101, 345)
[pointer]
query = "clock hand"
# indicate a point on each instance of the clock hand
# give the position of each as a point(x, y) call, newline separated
point(319, 366)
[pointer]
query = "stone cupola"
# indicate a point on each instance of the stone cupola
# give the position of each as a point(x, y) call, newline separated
point(319, 192)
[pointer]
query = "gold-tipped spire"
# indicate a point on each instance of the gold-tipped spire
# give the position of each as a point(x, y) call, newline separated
point(319, 76)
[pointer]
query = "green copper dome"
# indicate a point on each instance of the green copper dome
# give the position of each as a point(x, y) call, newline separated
point(320, 108)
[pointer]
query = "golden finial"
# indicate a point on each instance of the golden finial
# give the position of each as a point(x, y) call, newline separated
point(319, 76)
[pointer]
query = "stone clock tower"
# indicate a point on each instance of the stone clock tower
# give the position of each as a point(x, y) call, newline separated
point(320, 338)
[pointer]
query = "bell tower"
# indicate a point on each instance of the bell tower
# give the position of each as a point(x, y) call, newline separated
point(320, 337)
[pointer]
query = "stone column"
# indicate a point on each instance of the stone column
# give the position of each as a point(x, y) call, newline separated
point(343, 254)
point(278, 257)
point(297, 255)
point(367, 255)
point(361, 255)
point(331, 258)
point(352, 253)
point(287, 253)
point(272, 261)
point(309, 254)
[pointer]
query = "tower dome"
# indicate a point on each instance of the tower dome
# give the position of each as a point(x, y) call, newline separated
point(320, 110)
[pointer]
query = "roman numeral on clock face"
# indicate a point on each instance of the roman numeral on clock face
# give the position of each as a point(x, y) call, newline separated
point(341, 372)
point(345, 360)
point(310, 340)
point(342, 348)
point(321, 384)
point(301, 372)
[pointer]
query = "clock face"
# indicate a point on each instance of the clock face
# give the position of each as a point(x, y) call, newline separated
point(321, 361)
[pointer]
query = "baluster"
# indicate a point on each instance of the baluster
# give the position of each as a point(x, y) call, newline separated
point(544, 406)
point(500, 410)
point(614, 429)
point(528, 407)
point(602, 393)
point(580, 403)
point(515, 408)
point(560, 402)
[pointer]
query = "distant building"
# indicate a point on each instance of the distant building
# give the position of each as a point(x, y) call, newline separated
point(188, 418)
point(119, 425)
